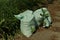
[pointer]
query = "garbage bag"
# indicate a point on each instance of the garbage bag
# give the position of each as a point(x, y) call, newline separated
point(42, 15)
point(27, 22)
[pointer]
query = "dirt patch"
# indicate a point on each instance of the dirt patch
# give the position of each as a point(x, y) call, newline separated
point(52, 33)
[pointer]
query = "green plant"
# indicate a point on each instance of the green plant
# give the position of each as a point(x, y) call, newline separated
point(8, 8)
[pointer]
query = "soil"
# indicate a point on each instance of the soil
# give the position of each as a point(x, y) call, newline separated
point(52, 33)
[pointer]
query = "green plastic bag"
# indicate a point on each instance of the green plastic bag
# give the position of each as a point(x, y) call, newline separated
point(43, 15)
point(27, 22)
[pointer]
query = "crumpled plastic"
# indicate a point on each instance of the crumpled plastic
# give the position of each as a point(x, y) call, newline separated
point(27, 22)
point(43, 15)
point(29, 19)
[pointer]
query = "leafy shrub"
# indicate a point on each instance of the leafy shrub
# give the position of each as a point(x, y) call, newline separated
point(8, 8)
